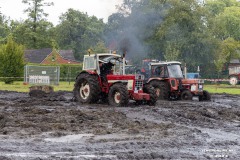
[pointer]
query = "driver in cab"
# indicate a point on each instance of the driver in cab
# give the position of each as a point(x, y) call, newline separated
point(105, 69)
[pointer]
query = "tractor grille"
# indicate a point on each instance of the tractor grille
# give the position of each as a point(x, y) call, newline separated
point(139, 77)
point(138, 85)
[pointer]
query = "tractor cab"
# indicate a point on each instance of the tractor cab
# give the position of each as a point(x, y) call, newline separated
point(166, 70)
point(92, 62)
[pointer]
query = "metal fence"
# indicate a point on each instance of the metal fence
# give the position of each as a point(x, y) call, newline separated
point(42, 74)
point(69, 73)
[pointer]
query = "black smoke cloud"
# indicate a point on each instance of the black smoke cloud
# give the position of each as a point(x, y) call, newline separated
point(132, 32)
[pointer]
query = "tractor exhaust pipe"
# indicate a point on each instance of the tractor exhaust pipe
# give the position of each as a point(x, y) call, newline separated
point(124, 62)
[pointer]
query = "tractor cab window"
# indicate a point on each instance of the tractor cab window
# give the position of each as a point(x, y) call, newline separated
point(175, 71)
point(118, 65)
point(89, 63)
point(115, 61)
point(159, 71)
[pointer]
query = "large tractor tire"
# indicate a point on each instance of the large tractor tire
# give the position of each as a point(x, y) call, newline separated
point(205, 97)
point(118, 95)
point(153, 95)
point(87, 88)
point(233, 80)
point(186, 95)
point(161, 88)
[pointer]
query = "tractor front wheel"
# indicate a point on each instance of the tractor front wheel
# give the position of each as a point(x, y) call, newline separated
point(118, 95)
point(186, 95)
point(205, 97)
point(161, 89)
point(86, 88)
point(153, 96)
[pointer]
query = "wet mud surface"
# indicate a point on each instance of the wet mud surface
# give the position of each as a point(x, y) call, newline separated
point(55, 127)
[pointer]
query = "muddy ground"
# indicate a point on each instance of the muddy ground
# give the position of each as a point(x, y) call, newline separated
point(55, 127)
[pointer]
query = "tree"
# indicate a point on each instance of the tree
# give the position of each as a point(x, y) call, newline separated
point(227, 23)
point(172, 52)
point(229, 49)
point(4, 28)
point(36, 26)
point(165, 29)
point(184, 28)
point(11, 60)
point(100, 48)
point(224, 25)
point(79, 32)
point(113, 30)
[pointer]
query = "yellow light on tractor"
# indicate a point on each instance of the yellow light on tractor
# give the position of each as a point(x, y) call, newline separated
point(89, 51)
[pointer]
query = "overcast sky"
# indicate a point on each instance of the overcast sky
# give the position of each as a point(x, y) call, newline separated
point(99, 8)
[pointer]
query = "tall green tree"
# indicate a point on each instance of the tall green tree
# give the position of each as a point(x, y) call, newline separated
point(224, 25)
point(79, 32)
point(11, 60)
point(113, 30)
point(4, 28)
point(36, 26)
point(184, 29)
point(166, 30)
point(229, 49)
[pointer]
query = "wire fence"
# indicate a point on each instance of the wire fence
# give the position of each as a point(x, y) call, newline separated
point(42, 74)
point(51, 75)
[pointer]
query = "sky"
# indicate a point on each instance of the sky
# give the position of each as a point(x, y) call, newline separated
point(99, 8)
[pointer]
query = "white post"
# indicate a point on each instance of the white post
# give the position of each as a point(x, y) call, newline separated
point(185, 71)
point(124, 63)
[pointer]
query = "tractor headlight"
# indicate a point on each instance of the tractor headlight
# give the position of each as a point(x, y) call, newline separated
point(200, 81)
point(193, 88)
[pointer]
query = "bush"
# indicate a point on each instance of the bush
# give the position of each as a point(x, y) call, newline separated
point(11, 61)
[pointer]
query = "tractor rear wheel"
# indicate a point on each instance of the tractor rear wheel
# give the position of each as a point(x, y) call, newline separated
point(186, 95)
point(86, 88)
point(205, 97)
point(118, 95)
point(161, 88)
point(153, 95)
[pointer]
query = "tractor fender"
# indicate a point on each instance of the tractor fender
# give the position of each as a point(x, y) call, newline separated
point(154, 79)
point(119, 82)
point(89, 72)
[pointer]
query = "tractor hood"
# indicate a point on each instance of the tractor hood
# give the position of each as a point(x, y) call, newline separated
point(192, 81)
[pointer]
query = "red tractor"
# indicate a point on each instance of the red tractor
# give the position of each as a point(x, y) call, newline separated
point(169, 83)
point(110, 83)
point(144, 69)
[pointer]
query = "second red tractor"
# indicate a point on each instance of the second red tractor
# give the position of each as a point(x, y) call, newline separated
point(168, 80)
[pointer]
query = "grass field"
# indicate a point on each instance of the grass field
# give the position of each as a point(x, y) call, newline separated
point(222, 88)
point(20, 87)
point(66, 86)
